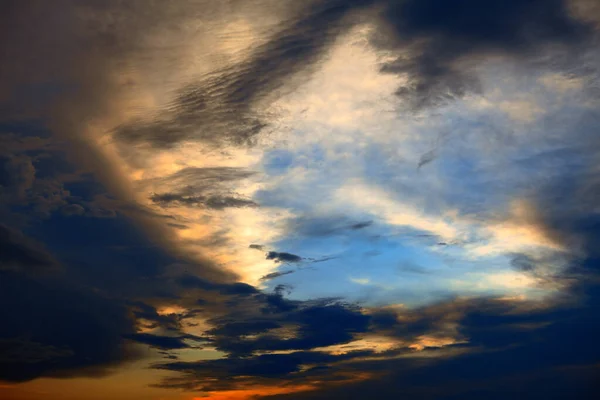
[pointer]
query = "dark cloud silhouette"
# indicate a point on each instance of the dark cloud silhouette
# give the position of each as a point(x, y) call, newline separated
point(426, 158)
point(215, 202)
point(512, 349)
point(18, 252)
point(202, 178)
point(318, 323)
point(283, 257)
point(256, 247)
point(161, 342)
point(361, 225)
point(67, 332)
point(443, 38)
point(274, 275)
point(73, 209)
point(17, 174)
point(281, 324)
point(238, 288)
point(223, 108)
point(265, 369)
point(209, 188)
point(325, 225)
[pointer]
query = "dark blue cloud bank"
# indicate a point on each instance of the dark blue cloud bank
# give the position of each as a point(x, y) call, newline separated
point(94, 276)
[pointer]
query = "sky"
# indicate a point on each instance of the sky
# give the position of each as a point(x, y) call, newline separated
point(299, 200)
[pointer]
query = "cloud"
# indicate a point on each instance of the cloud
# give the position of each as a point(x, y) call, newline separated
point(283, 257)
point(381, 203)
point(201, 187)
point(434, 45)
point(508, 346)
point(325, 225)
point(82, 332)
point(73, 209)
point(265, 369)
point(238, 288)
point(20, 253)
point(361, 225)
point(274, 275)
point(316, 324)
point(74, 66)
point(200, 178)
point(212, 202)
point(223, 108)
point(443, 37)
point(272, 323)
point(17, 174)
point(426, 158)
point(160, 342)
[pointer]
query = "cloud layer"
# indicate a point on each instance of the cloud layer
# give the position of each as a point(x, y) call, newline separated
point(272, 199)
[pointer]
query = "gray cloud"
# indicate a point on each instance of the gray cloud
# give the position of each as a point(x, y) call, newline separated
point(325, 225)
point(439, 43)
point(160, 342)
point(203, 187)
point(81, 334)
point(283, 257)
point(274, 275)
point(215, 202)
point(224, 107)
point(18, 252)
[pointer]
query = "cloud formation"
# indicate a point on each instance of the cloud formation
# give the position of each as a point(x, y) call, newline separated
point(145, 144)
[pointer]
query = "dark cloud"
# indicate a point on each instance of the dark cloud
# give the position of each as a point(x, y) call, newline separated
point(178, 226)
point(313, 324)
point(511, 351)
point(280, 324)
point(202, 178)
point(54, 329)
point(265, 369)
point(257, 247)
point(17, 174)
point(361, 225)
point(497, 331)
point(426, 158)
point(274, 275)
point(22, 185)
point(224, 106)
point(325, 225)
point(444, 39)
point(209, 188)
point(18, 252)
point(73, 209)
point(160, 342)
point(283, 257)
point(238, 288)
point(215, 202)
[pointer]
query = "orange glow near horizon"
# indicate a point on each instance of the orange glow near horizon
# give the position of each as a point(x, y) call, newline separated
point(248, 394)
